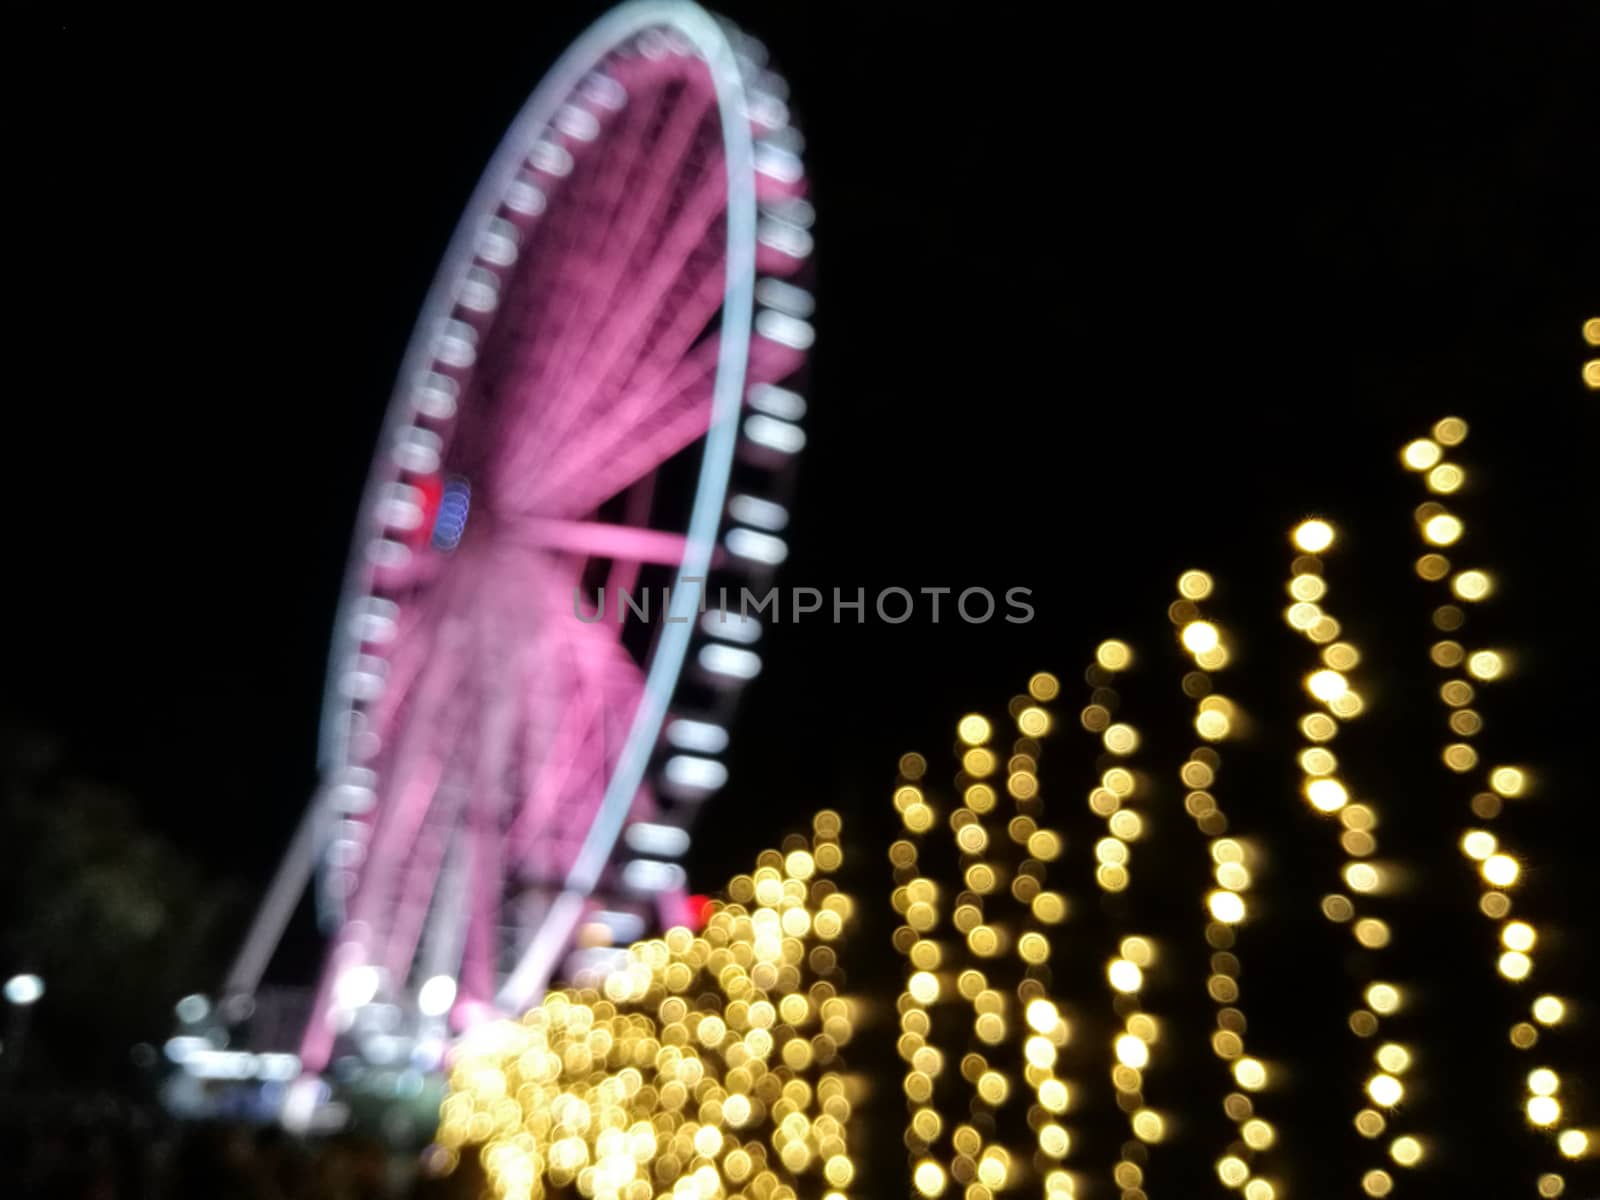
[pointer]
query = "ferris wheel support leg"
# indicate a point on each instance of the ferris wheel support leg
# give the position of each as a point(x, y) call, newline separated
point(527, 980)
point(277, 906)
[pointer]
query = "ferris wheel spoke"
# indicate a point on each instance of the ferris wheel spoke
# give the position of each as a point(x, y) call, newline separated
point(596, 539)
point(418, 889)
point(646, 194)
point(668, 303)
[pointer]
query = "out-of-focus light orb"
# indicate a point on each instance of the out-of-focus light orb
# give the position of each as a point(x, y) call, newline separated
point(1313, 536)
point(1149, 1125)
point(1132, 1052)
point(1472, 585)
point(1421, 454)
point(1508, 781)
point(1042, 1016)
point(1501, 870)
point(1549, 1010)
point(1478, 844)
point(1194, 585)
point(1450, 431)
point(436, 995)
point(1446, 478)
point(1227, 907)
point(23, 990)
point(1250, 1074)
point(1591, 331)
point(1126, 976)
point(929, 1178)
point(1518, 935)
point(1544, 1111)
point(1199, 637)
point(1393, 1058)
point(1362, 877)
point(923, 987)
point(1327, 685)
point(192, 1009)
point(1233, 1171)
point(1053, 1095)
point(1407, 1151)
point(1383, 998)
point(1326, 795)
point(1574, 1143)
point(1260, 1189)
point(356, 986)
point(1386, 1091)
point(1542, 1081)
point(1515, 965)
point(1591, 373)
point(1485, 664)
point(1113, 655)
point(973, 729)
point(1044, 686)
point(1442, 529)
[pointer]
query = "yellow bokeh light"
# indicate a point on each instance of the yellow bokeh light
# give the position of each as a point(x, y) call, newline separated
point(1486, 664)
point(1194, 585)
point(1501, 870)
point(1313, 536)
point(1549, 1010)
point(1383, 998)
point(1126, 976)
point(1518, 935)
point(1407, 1151)
point(1113, 655)
point(1233, 1171)
point(1326, 795)
point(973, 729)
point(1250, 1074)
point(1573, 1143)
point(1442, 529)
point(1420, 454)
point(1508, 781)
point(1543, 1111)
point(929, 1178)
point(1227, 907)
point(1200, 637)
point(1472, 585)
point(1132, 1052)
point(1327, 685)
point(1386, 1091)
point(1542, 1081)
point(1515, 965)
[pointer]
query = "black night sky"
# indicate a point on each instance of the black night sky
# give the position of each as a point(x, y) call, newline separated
point(1101, 298)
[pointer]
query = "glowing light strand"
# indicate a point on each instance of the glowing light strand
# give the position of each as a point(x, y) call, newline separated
point(1228, 904)
point(1356, 903)
point(1496, 866)
point(1127, 974)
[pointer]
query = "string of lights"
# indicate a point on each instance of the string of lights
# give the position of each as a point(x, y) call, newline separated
point(1128, 972)
point(1365, 879)
point(1498, 868)
point(1216, 718)
point(695, 1065)
point(1000, 913)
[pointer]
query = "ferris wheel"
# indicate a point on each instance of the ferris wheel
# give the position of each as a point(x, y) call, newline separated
point(533, 661)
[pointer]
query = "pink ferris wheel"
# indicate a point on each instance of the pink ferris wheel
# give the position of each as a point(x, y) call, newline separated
point(532, 666)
